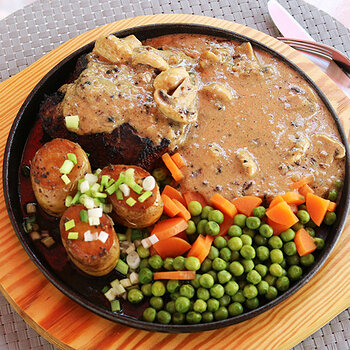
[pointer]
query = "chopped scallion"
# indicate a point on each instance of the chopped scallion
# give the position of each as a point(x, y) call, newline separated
point(65, 179)
point(69, 224)
point(122, 267)
point(130, 202)
point(68, 201)
point(72, 122)
point(80, 181)
point(111, 189)
point(73, 235)
point(120, 195)
point(66, 167)
point(104, 180)
point(76, 198)
point(72, 157)
point(97, 172)
point(84, 217)
point(99, 194)
point(120, 180)
point(105, 289)
point(144, 196)
point(115, 305)
point(121, 237)
point(110, 182)
point(136, 188)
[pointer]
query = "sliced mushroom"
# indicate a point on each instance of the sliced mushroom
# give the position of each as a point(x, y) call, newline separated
point(149, 57)
point(339, 149)
point(248, 161)
point(116, 50)
point(299, 149)
point(170, 79)
point(218, 91)
point(245, 61)
point(207, 59)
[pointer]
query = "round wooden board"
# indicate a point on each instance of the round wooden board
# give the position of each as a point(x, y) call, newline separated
point(69, 326)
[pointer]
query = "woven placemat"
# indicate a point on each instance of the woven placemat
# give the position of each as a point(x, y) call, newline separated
point(30, 33)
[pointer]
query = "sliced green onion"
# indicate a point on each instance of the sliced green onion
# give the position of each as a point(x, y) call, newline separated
point(130, 202)
point(99, 194)
point(111, 189)
point(120, 180)
point(97, 172)
point(122, 267)
point(76, 198)
point(72, 157)
point(107, 208)
point(104, 180)
point(66, 167)
point(84, 217)
point(72, 122)
point(144, 196)
point(105, 289)
point(65, 179)
point(80, 181)
point(87, 154)
point(95, 187)
point(110, 182)
point(69, 224)
point(68, 201)
point(73, 235)
point(136, 188)
point(121, 236)
point(115, 305)
point(120, 195)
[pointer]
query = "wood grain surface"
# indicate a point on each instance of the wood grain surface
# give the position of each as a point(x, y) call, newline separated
point(69, 326)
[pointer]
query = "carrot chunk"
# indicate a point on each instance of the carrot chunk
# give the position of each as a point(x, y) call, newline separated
point(316, 207)
point(277, 228)
point(226, 224)
point(301, 182)
point(304, 190)
point(174, 275)
point(294, 198)
point(224, 205)
point(172, 193)
point(331, 206)
point(194, 196)
point(281, 213)
point(171, 247)
point(178, 160)
point(201, 247)
point(183, 212)
point(170, 227)
point(170, 208)
point(246, 204)
point(304, 242)
point(172, 167)
point(276, 200)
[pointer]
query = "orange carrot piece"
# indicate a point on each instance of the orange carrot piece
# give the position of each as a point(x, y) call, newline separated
point(304, 242)
point(226, 224)
point(304, 190)
point(171, 247)
point(316, 207)
point(170, 208)
point(247, 204)
point(172, 193)
point(183, 212)
point(201, 247)
point(294, 198)
point(178, 160)
point(277, 228)
point(172, 167)
point(331, 206)
point(169, 227)
point(301, 182)
point(221, 203)
point(294, 208)
point(276, 200)
point(281, 213)
point(174, 275)
point(194, 196)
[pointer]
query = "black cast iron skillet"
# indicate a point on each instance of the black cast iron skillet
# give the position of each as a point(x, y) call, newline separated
point(87, 290)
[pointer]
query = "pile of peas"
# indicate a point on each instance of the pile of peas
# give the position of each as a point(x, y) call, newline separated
point(245, 269)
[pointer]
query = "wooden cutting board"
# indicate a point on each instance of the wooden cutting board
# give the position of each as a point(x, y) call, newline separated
point(69, 326)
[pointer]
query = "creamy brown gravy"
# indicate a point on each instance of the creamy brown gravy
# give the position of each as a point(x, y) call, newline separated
point(274, 118)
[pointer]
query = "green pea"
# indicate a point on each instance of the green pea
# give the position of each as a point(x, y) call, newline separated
point(275, 270)
point(282, 283)
point(231, 288)
point(145, 275)
point(192, 263)
point(224, 276)
point(179, 263)
point(158, 289)
point(168, 264)
point(156, 302)
point(235, 243)
point(333, 195)
point(178, 318)
point(319, 242)
point(338, 184)
point(200, 306)
point(195, 208)
point(213, 253)
point(191, 228)
point(170, 306)
point(287, 235)
point(259, 212)
point(206, 281)
point(143, 252)
point(330, 218)
point(276, 256)
point(293, 259)
point(225, 300)
point(236, 268)
point(217, 291)
point(246, 239)
point(163, 317)
point(149, 315)
point(201, 226)
point(253, 277)
point(252, 303)
point(247, 252)
point(182, 304)
point(219, 264)
point(155, 261)
point(220, 242)
point(271, 280)
point(206, 265)
point(172, 286)
point(262, 253)
point(203, 294)
point(213, 305)
point(260, 240)
point(144, 263)
point(217, 216)
point(135, 296)
point(146, 289)
point(289, 248)
point(239, 297)
point(205, 211)
point(307, 260)
point(304, 216)
point(213, 274)
point(225, 254)
point(310, 231)
point(275, 242)
point(266, 230)
point(271, 293)
point(207, 317)
point(195, 282)
point(253, 222)
point(240, 220)
point(186, 290)
point(250, 291)
point(297, 226)
point(311, 224)
point(234, 231)
point(262, 269)
point(212, 228)
point(294, 272)
point(174, 296)
point(248, 232)
point(263, 287)
point(248, 265)
point(221, 314)
point(235, 308)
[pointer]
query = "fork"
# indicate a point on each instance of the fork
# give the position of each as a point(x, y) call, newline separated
point(319, 49)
